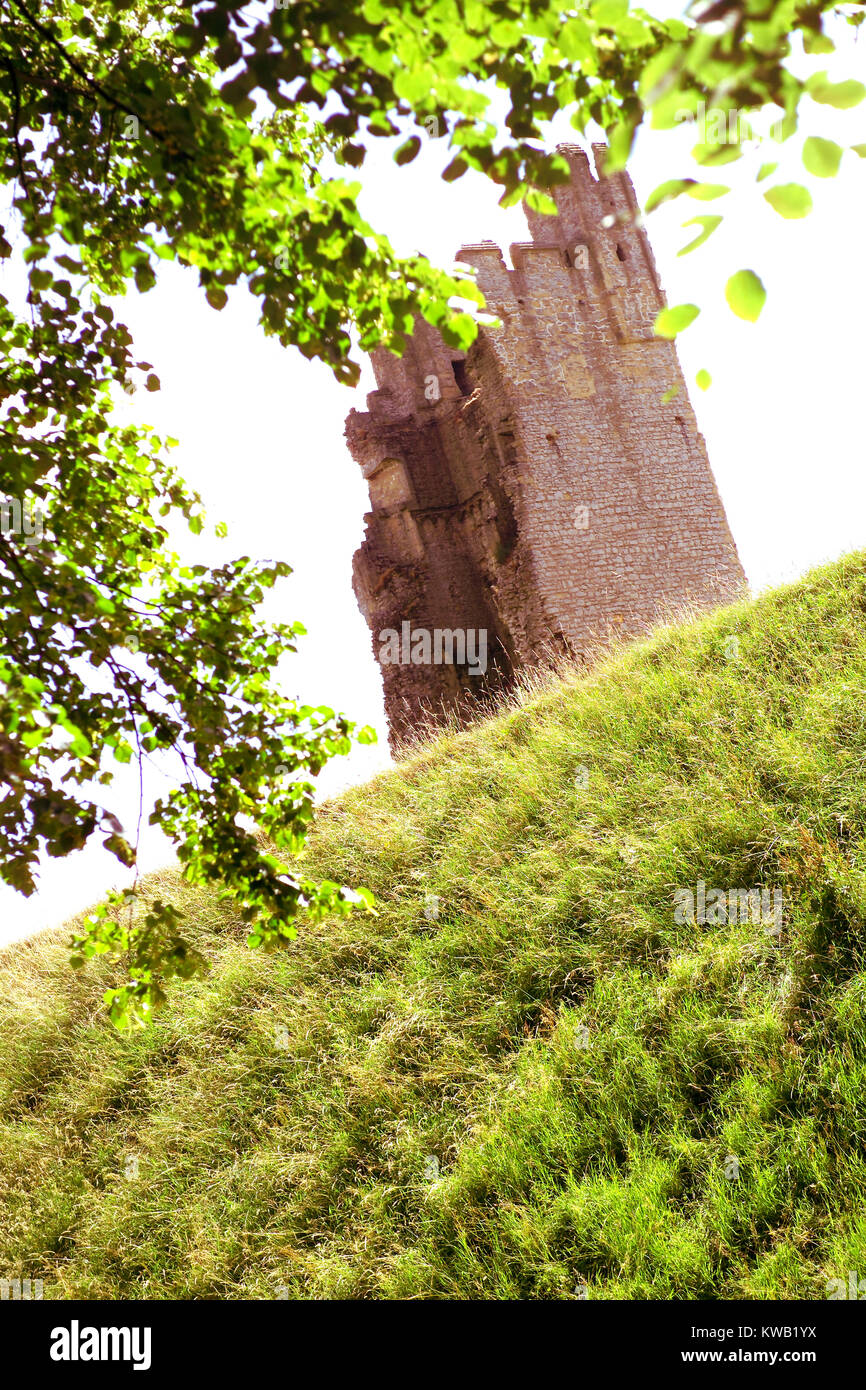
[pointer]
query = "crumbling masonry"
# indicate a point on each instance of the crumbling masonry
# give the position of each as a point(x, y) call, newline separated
point(537, 488)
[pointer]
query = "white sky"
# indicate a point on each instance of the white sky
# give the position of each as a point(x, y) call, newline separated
point(261, 428)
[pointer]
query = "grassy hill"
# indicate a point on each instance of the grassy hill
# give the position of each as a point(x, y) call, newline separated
point(545, 1086)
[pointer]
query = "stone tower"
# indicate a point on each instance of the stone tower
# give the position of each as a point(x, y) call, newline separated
point(538, 489)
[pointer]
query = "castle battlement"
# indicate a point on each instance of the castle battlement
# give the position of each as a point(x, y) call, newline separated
point(538, 487)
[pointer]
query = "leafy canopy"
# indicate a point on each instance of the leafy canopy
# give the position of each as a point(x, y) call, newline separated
point(226, 138)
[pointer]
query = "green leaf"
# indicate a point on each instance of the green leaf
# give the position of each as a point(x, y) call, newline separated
point(783, 130)
point(620, 139)
point(575, 41)
point(707, 191)
point(842, 95)
point(506, 33)
point(745, 294)
point(540, 201)
point(822, 157)
point(609, 13)
point(789, 200)
point(671, 188)
point(414, 86)
point(709, 222)
point(703, 379)
point(716, 152)
point(817, 43)
point(459, 331)
point(670, 322)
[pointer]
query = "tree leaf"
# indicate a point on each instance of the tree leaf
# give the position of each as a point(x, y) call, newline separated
point(709, 222)
point(842, 95)
point(717, 152)
point(705, 192)
point(671, 188)
point(670, 322)
point(455, 169)
point(822, 157)
point(408, 150)
point(745, 294)
point(789, 199)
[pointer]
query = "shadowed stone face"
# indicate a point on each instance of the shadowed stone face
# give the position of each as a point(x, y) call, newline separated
point(538, 489)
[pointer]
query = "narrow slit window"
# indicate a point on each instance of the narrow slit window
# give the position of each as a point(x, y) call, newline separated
point(461, 378)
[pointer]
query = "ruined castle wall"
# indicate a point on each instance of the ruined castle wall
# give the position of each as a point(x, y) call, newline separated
point(620, 511)
point(539, 485)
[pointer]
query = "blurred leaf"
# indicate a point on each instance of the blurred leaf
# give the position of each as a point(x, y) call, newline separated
point(670, 322)
point(705, 192)
point(822, 157)
point(789, 199)
point(671, 188)
point(745, 294)
point(842, 95)
point(708, 223)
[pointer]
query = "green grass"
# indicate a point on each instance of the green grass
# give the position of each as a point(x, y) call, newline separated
point(581, 1067)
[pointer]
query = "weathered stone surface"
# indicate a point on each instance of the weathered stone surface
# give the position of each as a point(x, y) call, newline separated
point(537, 487)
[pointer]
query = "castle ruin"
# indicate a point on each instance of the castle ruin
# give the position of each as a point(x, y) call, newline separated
point(549, 487)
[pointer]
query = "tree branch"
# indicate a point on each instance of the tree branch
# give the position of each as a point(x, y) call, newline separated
point(91, 82)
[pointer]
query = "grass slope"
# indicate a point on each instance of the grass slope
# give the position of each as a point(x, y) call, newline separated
point(542, 1089)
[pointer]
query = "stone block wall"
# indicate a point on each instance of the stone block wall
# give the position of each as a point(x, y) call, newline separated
point(537, 488)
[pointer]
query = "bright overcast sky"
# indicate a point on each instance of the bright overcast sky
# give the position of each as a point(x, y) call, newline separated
point(261, 428)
